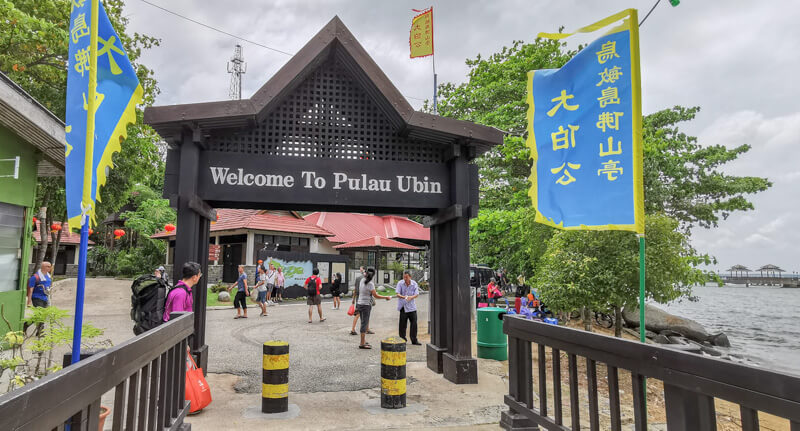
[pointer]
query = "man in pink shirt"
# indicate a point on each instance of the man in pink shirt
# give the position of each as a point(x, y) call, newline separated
point(179, 297)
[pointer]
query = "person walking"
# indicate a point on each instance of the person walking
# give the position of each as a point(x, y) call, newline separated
point(407, 291)
point(336, 290)
point(366, 291)
point(39, 292)
point(261, 286)
point(312, 286)
point(242, 292)
point(279, 282)
point(179, 298)
point(271, 275)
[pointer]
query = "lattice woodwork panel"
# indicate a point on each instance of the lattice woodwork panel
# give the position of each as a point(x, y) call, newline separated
point(329, 116)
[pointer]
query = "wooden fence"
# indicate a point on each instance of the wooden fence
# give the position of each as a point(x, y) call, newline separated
point(691, 383)
point(147, 374)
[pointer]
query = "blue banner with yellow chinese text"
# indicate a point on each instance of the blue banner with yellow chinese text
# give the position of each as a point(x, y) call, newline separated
point(584, 123)
point(117, 94)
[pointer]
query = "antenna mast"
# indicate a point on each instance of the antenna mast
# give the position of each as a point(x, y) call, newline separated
point(236, 67)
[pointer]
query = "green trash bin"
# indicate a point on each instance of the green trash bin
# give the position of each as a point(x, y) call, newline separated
point(492, 342)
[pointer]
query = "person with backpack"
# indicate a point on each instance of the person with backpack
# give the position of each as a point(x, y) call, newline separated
point(336, 291)
point(366, 291)
point(39, 292)
point(179, 297)
point(312, 286)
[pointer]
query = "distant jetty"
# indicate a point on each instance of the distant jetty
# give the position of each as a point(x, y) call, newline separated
point(767, 275)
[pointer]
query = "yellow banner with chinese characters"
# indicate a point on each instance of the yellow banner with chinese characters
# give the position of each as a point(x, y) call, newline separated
point(420, 39)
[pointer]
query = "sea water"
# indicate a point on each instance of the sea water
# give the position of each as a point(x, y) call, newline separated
point(762, 323)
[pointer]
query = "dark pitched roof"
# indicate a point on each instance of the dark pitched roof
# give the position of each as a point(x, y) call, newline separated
point(334, 39)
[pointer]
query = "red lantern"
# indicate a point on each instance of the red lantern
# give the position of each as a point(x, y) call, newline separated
point(118, 233)
point(91, 231)
point(55, 226)
point(169, 227)
point(35, 220)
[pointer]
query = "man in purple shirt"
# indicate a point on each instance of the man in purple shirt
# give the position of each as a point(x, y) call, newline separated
point(407, 290)
point(179, 297)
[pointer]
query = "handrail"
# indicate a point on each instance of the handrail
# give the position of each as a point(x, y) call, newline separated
point(685, 375)
point(49, 402)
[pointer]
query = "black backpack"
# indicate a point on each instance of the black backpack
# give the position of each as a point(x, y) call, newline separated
point(148, 296)
point(311, 288)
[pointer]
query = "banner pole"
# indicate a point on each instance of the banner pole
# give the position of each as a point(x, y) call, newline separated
point(91, 105)
point(641, 289)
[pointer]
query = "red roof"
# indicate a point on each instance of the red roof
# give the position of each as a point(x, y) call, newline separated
point(349, 227)
point(233, 219)
point(67, 237)
point(377, 242)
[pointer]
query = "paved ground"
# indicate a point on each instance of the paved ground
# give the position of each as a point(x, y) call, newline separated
point(333, 384)
point(324, 356)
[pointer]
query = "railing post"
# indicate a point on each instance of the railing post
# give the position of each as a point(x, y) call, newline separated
point(520, 385)
point(688, 410)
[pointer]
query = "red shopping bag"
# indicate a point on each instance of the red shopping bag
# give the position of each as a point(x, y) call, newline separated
point(197, 390)
point(352, 310)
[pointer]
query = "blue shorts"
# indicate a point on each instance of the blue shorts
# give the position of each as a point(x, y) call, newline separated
point(262, 296)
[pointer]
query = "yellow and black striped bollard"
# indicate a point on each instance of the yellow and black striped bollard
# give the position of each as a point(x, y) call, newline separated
point(275, 380)
point(393, 373)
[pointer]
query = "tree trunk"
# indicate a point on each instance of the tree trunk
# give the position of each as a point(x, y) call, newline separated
point(587, 320)
point(54, 249)
point(44, 235)
point(617, 322)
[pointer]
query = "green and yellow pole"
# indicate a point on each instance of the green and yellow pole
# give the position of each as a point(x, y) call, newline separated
point(275, 378)
point(641, 289)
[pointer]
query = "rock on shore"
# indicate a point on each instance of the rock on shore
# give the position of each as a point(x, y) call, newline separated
point(670, 327)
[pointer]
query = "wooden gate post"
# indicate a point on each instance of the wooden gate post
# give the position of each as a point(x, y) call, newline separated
point(192, 233)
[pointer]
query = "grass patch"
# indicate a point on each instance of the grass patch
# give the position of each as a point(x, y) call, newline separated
point(387, 291)
point(212, 301)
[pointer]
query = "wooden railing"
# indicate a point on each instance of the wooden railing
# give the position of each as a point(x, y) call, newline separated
point(691, 383)
point(147, 374)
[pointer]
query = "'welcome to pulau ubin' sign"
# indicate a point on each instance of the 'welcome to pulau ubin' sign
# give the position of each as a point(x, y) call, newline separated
point(230, 177)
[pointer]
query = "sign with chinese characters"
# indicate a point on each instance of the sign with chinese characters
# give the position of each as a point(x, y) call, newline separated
point(585, 134)
point(420, 39)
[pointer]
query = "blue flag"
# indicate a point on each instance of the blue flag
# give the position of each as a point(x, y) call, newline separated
point(117, 93)
point(584, 132)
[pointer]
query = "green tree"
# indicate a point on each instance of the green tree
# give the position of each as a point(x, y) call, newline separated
point(34, 53)
point(682, 178)
point(494, 95)
point(599, 270)
point(510, 239)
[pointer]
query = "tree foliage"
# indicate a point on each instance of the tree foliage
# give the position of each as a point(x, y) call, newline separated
point(682, 178)
point(510, 239)
point(34, 53)
point(494, 95)
point(600, 269)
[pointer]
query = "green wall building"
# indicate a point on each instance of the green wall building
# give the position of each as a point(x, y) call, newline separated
point(31, 145)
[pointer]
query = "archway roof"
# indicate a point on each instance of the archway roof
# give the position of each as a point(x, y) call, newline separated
point(333, 40)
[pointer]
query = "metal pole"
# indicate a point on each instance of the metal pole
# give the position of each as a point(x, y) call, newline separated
point(641, 289)
point(87, 181)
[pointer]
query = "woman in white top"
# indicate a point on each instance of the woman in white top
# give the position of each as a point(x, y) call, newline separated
point(366, 290)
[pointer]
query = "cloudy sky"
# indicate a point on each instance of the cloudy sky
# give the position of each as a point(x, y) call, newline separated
point(736, 59)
